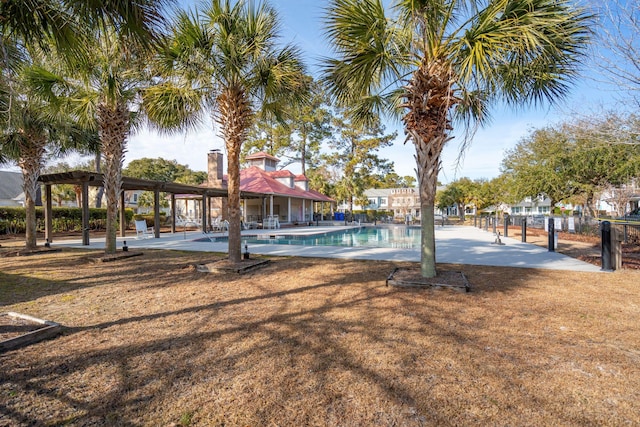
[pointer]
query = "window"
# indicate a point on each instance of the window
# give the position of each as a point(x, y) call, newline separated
point(383, 201)
point(135, 198)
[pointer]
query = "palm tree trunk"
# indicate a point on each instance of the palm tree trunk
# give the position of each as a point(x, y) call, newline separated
point(114, 124)
point(234, 118)
point(100, 191)
point(30, 164)
point(429, 97)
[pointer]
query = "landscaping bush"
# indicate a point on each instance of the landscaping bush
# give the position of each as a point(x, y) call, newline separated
point(63, 219)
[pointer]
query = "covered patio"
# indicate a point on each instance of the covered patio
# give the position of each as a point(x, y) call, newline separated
point(86, 179)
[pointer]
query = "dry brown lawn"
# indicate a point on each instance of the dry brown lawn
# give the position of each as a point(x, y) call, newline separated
point(153, 342)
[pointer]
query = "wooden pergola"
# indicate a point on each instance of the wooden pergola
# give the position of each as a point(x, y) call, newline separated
point(86, 179)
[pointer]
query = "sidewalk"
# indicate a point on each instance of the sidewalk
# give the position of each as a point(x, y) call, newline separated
point(454, 244)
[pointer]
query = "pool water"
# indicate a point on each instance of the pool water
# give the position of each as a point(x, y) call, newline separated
point(386, 237)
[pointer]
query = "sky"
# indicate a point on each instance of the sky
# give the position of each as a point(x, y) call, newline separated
point(302, 25)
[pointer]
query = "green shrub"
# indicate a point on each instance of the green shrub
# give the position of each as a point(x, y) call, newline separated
point(63, 219)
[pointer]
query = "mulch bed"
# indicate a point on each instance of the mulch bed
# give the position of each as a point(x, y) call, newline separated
point(226, 266)
point(412, 277)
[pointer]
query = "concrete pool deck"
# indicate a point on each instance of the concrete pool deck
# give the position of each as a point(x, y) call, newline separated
point(454, 245)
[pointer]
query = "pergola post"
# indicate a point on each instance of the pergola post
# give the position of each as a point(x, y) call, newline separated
point(204, 212)
point(173, 213)
point(123, 217)
point(156, 213)
point(85, 213)
point(48, 214)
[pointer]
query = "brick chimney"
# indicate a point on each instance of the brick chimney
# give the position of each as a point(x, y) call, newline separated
point(214, 168)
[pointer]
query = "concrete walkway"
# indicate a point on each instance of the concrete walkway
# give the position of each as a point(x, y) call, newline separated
point(454, 244)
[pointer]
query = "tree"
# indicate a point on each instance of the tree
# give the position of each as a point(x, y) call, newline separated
point(32, 127)
point(163, 170)
point(65, 25)
point(618, 54)
point(354, 153)
point(540, 164)
point(439, 61)
point(461, 193)
point(310, 125)
point(298, 136)
point(393, 180)
point(566, 161)
point(227, 61)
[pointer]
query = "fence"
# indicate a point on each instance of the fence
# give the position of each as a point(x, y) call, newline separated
point(630, 230)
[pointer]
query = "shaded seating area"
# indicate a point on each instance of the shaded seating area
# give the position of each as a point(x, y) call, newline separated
point(86, 179)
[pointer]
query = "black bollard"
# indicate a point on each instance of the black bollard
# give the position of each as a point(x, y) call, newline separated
point(552, 239)
point(605, 233)
point(506, 225)
point(125, 248)
point(524, 230)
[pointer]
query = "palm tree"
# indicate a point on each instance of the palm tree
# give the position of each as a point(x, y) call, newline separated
point(438, 61)
point(226, 61)
point(31, 127)
point(63, 22)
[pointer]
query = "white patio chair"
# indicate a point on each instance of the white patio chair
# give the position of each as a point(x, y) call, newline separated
point(142, 231)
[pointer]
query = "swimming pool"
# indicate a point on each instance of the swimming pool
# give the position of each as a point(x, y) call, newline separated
point(377, 237)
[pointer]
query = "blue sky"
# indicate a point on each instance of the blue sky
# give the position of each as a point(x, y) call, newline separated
point(302, 25)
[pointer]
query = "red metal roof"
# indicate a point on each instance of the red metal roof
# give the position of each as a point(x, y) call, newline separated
point(261, 155)
point(283, 173)
point(256, 180)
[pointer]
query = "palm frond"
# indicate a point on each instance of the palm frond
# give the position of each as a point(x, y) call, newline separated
point(528, 50)
point(371, 52)
point(171, 107)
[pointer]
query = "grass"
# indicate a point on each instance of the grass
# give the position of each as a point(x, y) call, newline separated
point(151, 341)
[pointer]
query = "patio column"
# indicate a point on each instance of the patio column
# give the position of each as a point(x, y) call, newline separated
point(123, 225)
point(173, 213)
point(85, 213)
point(48, 214)
point(271, 206)
point(304, 210)
point(156, 213)
point(204, 212)
point(288, 209)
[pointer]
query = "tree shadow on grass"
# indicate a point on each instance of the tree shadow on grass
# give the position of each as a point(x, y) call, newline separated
point(333, 349)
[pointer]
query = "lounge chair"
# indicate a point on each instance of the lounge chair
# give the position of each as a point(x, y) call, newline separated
point(273, 222)
point(142, 231)
point(182, 221)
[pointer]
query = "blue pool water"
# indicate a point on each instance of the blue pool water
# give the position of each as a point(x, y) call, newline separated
point(385, 237)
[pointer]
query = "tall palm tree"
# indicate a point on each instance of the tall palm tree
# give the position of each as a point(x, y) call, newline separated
point(31, 127)
point(436, 62)
point(108, 100)
point(226, 61)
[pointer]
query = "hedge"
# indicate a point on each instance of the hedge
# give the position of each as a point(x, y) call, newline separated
point(12, 219)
